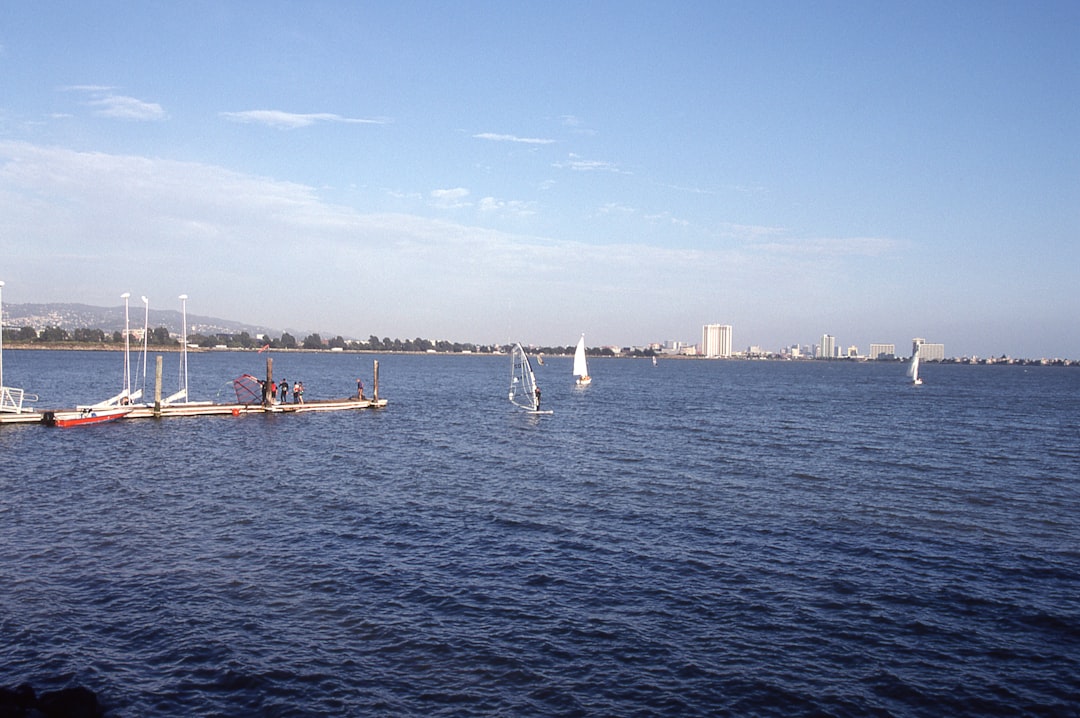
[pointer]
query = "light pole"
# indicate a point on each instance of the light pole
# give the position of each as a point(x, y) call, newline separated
point(145, 331)
point(127, 347)
point(1, 336)
point(183, 347)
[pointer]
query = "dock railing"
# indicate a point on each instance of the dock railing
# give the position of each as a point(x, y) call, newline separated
point(11, 399)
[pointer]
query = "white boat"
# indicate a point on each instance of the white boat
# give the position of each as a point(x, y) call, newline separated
point(126, 398)
point(913, 369)
point(523, 389)
point(581, 366)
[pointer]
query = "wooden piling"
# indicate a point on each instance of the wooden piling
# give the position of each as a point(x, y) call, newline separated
point(375, 388)
point(268, 394)
point(157, 385)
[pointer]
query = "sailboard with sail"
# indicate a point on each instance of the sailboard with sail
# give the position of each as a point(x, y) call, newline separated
point(524, 392)
point(913, 369)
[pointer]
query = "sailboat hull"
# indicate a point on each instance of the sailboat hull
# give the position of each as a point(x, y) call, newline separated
point(67, 419)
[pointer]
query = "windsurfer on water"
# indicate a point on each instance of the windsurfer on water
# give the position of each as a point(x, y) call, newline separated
point(537, 392)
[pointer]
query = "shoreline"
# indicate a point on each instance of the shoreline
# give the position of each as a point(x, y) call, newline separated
point(72, 346)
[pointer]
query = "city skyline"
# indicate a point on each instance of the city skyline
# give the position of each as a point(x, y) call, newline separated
point(491, 172)
point(718, 340)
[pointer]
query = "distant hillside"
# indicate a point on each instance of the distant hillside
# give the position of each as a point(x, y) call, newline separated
point(110, 319)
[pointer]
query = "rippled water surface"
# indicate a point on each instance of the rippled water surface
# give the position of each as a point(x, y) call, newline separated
point(696, 538)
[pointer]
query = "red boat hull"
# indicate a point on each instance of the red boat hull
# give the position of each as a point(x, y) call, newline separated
point(80, 418)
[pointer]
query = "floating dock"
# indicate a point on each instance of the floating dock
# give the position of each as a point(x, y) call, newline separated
point(164, 410)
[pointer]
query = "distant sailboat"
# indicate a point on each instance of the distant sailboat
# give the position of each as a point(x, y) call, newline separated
point(581, 367)
point(913, 369)
point(523, 389)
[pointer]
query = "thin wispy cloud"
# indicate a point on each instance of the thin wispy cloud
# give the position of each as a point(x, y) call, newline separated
point(506, 207)
point(292, 120)
point(108, 204)
point(128, 108)
point(513, 138)
point(579, 164)
point(107, 103)
point(829, 246)
point(576, 125)
point(616, 208)
point(453, 198)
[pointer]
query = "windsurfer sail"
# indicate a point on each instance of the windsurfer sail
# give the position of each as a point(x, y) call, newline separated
point(523, 389)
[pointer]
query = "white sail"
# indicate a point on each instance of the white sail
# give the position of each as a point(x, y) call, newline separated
point(581, 366)
point(913, 369)
point(523, 391)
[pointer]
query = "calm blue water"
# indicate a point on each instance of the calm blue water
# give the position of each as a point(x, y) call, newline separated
point(698, 538)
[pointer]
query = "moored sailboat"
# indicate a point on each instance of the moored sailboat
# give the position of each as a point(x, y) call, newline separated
point(115, 407)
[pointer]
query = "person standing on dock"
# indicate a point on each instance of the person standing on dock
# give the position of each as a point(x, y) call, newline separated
point(284, 390)
point(360, 389)
point(298, 393)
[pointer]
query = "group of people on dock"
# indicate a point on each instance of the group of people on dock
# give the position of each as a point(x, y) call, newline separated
point(280, 392)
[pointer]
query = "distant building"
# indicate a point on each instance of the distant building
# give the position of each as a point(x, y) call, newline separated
point(828, 346)
point(927, 352)
point(853, 351)
point(882, 351)
point(716, 340)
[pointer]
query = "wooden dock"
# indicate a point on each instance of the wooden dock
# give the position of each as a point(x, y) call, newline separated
point(165, 410)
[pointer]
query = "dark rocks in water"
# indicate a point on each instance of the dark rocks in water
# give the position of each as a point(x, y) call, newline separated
point(23, 702)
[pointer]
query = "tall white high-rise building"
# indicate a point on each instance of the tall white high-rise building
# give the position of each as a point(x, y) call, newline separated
point(828, 346)
point(716, 340)
point(927, 352)
point(880, 350)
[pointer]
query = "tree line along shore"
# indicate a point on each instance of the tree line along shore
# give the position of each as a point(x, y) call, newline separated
point(160, 339)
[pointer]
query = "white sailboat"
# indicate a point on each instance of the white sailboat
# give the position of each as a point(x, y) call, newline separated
point(913, 369)
point(523, 389)
point(581, 367)
point(113, 408)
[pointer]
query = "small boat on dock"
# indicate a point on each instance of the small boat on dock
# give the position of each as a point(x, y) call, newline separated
point(83, 417)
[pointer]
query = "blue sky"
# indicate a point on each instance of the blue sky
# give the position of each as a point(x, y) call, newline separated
point(531, 171)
